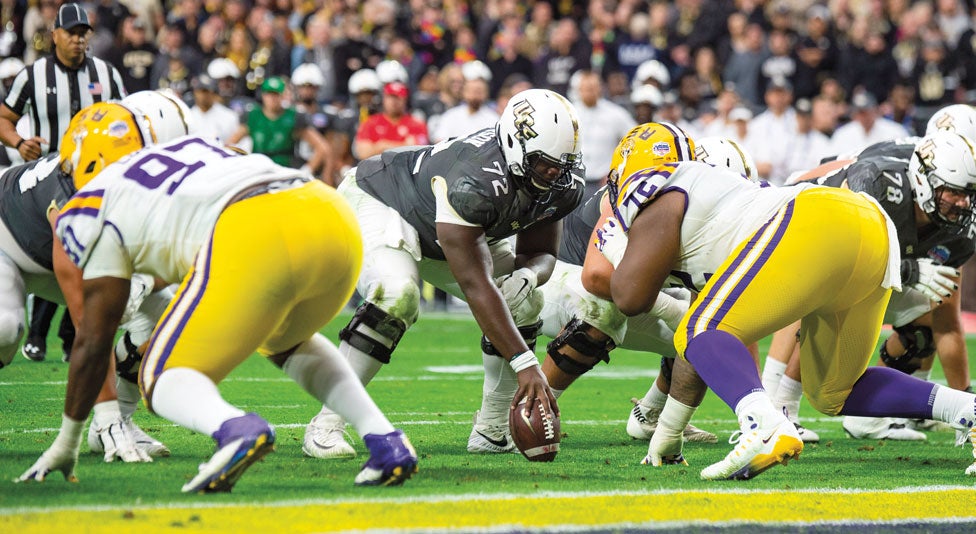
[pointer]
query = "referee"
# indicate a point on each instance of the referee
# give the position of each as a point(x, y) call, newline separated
point(51, 92)
point(56, 87)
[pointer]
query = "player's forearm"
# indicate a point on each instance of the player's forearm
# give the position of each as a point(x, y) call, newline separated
point(495, 320)
point(89, 366)
point(8, 132)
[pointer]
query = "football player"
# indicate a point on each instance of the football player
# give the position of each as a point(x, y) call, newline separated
point(30, 197)
point(214, 221)
point(926, 321)
point(738, 245)
point(443, 214)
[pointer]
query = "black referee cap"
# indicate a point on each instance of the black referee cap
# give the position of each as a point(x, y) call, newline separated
point(71, 15)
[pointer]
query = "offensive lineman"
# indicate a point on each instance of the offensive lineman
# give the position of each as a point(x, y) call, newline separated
point(443, 214)
point(738, 244)
point(217, 221)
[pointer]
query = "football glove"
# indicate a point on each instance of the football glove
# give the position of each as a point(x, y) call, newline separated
point(669, 309)
point(611, 240)
point(111, 431)
point(61, 456)
point(665, 448)
point(517, 286)
point(935, 281)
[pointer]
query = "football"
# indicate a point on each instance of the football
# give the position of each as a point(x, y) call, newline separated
point(537, 434)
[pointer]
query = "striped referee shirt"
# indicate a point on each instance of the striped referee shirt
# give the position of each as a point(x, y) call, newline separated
point(51, 93)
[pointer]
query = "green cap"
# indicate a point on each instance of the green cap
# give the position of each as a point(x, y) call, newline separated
point(273, 85)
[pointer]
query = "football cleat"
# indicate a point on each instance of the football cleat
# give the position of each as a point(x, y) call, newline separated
point(490, 438)
point(241, 441)
point(880, 428)
point(807, 435)
point(325, 438)
point(757, 450)
point(392, 460)
point(147, 443)
point(928, 425)
point(642, 422)
point(34, 350)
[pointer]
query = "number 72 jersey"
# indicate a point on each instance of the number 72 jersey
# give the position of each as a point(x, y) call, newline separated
point(721, 210)
point(151, 211)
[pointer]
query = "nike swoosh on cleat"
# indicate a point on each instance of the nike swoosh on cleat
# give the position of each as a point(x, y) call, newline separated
point(496, 442)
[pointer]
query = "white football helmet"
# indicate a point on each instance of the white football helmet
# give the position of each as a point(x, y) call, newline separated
point(308, 74)
point(364, 80)
point(651, 69)
point(724, 152)
point(959, 118)
point(539, 135)
point(168, 115)
point(390, 71)
point(944, 161)
point(223, 68)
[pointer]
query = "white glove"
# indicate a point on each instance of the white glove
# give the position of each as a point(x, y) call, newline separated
point(114, 436)
point(665, 448)
point(61, 456)
point(934, 280)
point(669, 309)
point(528, 311)
point(517, 286)
point(611, 240)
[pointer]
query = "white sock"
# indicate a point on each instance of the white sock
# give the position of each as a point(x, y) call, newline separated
point(674, 417)
point(757, 404)
point(363, 365)
point(129, 396)
point(189, 398)
point(319, 367)
point(955, 407)
point(922, 374)
point(655, 398)
point(499, 389)
point(788, 397)
point(772, 374)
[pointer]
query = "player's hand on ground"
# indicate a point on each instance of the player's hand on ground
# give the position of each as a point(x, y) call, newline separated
point(937, 282)
point(611, 241)
point(532, 384)
point(57, 458)
point(119, 443)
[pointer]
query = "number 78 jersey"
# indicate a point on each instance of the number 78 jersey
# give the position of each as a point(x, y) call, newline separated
point(151, 211)
point(721, 210)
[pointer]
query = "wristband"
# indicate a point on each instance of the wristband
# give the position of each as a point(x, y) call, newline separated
point(70, 434)
point(17, 146)
point(523, 361)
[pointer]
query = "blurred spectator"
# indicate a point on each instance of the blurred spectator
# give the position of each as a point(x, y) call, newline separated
point(934, 77)
point(816, 51)
point(505, 59)
point(189, 17)
point(866, 127)
point(12, 43)
point(538, 29)
point(708, 74)
point(390, 128)
point(151, 14)
point(307, 80)
point(966, 60)
point(867, 62)
point(364, 86)
point(646, 100)
point(567, 53)
point(109, 15)
point(227, 76)
point(772, 133)
point(825, 115)
point(722, 125)
point(634, 47)
point(270, 55)
point(602, 39)
point(177, 76)
point(689, 94)
point(209, 116)
point(317, 49)
point(352, 52)
point(450, 82)
point(389, 71)
point(513, 85)
point(740, 117)
point(430, 36)
point(652, 72)
point(618, 88)
point(602, 125)
point(276, 130)
point(133, 55)
point(401, 52)
point(745, 63)
point(952, 19)
point(9, 67)
point(810, 146)
point(900, 108)
point(780, 63)
point(471, 115)
point(38, 22)
point(465, 43)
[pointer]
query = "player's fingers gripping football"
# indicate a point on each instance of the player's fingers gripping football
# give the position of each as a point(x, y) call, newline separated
point(936, 281)
point(533, 385)
point(611, 241)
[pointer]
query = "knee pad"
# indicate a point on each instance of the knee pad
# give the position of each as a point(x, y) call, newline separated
point(918, 343)
point(367, 325)
point(529, 333)
point(667, 369)
point(578, 338)
point(11, 330)
point(128, 359)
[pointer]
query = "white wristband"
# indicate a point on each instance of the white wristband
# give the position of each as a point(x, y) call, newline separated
point(70, 434)
point(523, 361)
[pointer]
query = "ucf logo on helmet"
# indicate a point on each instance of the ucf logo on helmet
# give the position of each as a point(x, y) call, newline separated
point(524, 120)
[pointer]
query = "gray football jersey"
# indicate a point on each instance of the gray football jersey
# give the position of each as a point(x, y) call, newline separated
point(479, 188)
point(577, 228)
point(26, 193)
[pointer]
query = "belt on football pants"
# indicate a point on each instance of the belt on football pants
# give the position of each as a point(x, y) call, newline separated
point(269, 187)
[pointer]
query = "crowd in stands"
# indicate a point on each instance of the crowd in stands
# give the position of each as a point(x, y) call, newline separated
point(794, 80)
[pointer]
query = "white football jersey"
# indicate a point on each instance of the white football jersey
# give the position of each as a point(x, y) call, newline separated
point(151, 211)
point(721, 211)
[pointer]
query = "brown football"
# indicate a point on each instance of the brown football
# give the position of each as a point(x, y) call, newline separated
point(537, 434)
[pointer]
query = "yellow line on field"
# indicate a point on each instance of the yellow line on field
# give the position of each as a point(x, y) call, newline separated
point(520, 512)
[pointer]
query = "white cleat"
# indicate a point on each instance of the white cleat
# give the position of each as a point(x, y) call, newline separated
point(325, 438)
point(759, 449)
point(806, 435)
point(490, 438)
point(880, 428)
point(642, 422)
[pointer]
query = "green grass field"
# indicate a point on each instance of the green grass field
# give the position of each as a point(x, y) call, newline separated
point(431, 390)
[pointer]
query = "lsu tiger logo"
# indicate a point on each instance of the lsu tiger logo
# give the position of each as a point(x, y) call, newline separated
point(524, 121)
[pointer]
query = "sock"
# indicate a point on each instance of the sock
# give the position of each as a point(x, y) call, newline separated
point(725, 364)
point(674, 417)
point(364, 365)
point(955, 407)
point(499, 389)
point(655, 398)
point(922, 374)
point(190, 399)
point(884, 392)
point(788, 397)
point(129, 396)
point(772, 374)
point(322, 371)
point(756, 409)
